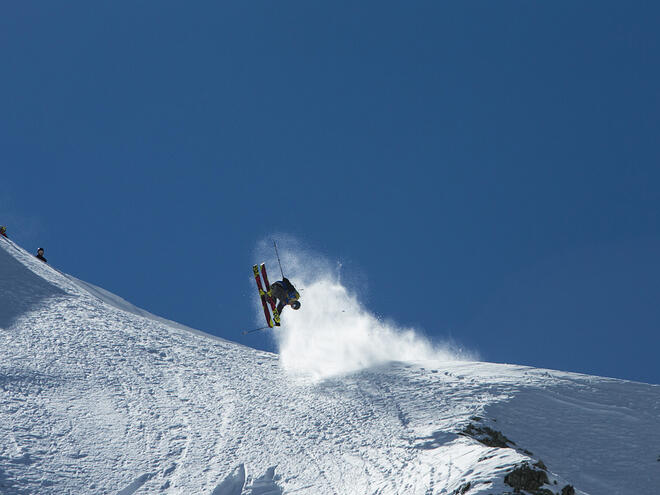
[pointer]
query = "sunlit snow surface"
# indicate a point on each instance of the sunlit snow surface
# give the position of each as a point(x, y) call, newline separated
point(99, 397)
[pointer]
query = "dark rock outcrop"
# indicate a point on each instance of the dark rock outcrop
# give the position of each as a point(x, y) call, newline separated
point(526, 478)
point(487, 436)
point(529, 479)
point(461, 490)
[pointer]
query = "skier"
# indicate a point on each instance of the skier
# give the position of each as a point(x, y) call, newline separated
point(40, 255)
point(286, 293)
point(3, 230)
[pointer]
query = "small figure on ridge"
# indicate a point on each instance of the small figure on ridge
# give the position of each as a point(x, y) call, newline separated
point(40, 255)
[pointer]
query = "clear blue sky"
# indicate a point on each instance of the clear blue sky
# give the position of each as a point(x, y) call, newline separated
point(485, 170)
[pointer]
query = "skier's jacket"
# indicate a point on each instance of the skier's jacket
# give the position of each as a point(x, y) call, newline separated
point(3, 230)
point(285, 292)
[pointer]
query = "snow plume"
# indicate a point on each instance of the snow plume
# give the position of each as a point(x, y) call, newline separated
point(333, 333)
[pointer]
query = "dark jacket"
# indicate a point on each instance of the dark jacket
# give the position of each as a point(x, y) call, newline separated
point(285, 292)
point(41, 258)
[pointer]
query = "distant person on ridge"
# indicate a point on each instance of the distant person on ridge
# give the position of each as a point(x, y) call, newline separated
point(3, 230)
point(40, 255)
point(286, 293)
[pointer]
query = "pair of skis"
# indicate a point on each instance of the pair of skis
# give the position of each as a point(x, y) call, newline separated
point(266, 298)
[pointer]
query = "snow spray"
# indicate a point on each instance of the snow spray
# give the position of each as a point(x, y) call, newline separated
point(333, 333)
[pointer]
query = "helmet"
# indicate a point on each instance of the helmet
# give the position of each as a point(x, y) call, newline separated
point(295, 304)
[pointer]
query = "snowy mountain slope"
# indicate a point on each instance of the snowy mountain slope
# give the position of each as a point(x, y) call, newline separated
point(99, 398)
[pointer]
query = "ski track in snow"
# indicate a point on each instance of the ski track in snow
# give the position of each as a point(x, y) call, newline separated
point(99, 397)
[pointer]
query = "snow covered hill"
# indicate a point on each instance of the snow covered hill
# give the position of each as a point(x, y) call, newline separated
point(100, 397)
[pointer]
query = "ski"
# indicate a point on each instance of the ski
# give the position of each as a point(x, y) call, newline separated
point(263, 295)
point(276, 316)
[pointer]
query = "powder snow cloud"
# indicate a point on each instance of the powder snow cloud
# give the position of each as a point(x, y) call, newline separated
point(333, 333)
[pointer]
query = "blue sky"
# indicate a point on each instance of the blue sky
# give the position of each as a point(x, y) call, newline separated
point(486, 171)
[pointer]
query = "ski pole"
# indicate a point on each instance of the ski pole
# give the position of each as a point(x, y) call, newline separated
point(278, 258)
point(245, 332)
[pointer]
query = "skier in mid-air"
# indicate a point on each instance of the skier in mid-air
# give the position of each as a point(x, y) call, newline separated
point(281, 293)
point(286, 293)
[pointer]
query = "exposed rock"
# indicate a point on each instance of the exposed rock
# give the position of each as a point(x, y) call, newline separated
point(568, 490)
point(461, 490)
point(526, 478)
point(487, 436)
point(521, 478)
point(542, 491)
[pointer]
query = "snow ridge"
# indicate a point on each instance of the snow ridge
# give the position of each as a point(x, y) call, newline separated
point(96, 399)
